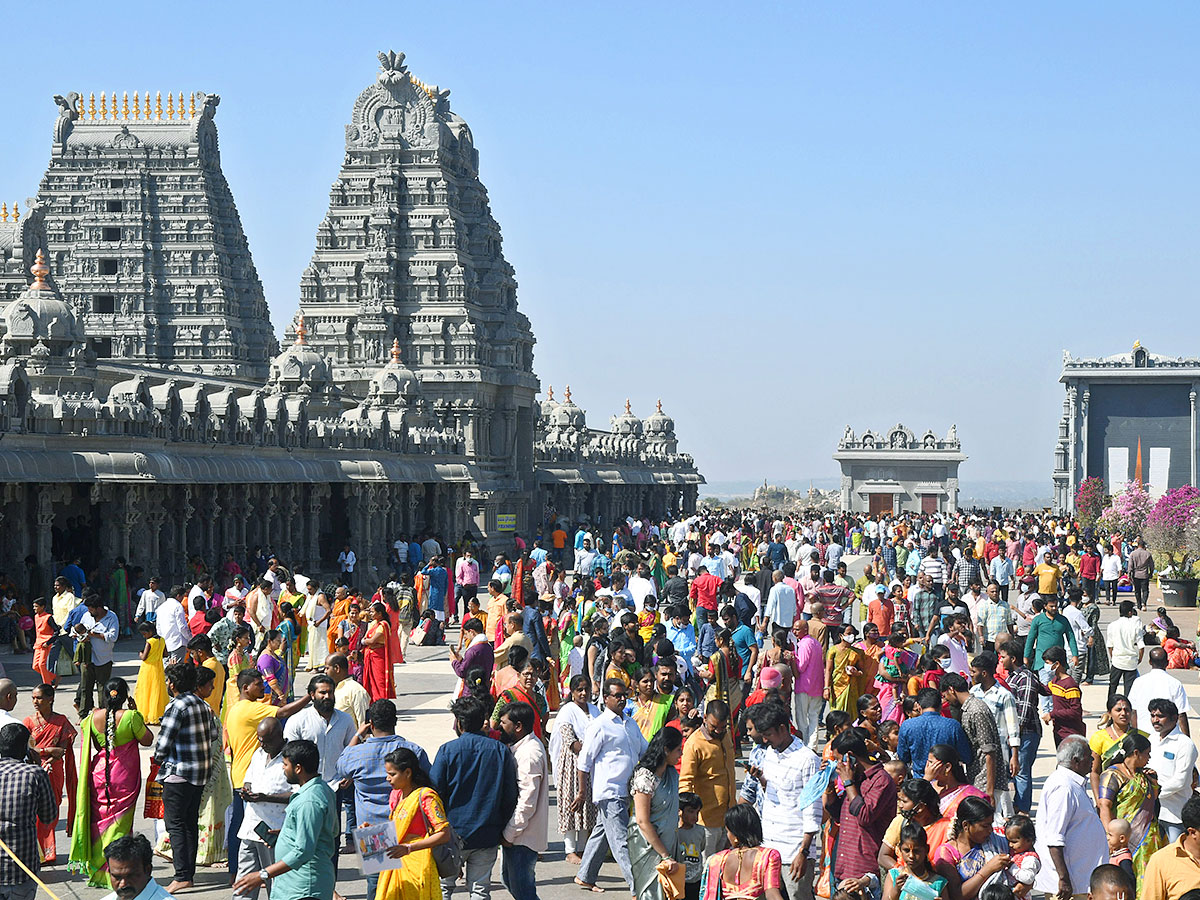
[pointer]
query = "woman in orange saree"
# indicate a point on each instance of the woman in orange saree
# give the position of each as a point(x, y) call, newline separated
point(377, 661)
point(54, 736)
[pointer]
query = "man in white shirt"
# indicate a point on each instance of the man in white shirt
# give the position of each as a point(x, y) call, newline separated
point(346, 562)
point(1126, 646)
point(172, 625)
point(1173, 758)
point(326, 726)
point(202, 588)
point(585, 558)
point(266, 791)
point(612, 745)
point(400, 554)
point(97, 629)
point(525, 835)
point(1158, 682)
point(642, 586)
point(1070, 837)
point(787, 767)
point(780, 610)
point(129, 861)
point(149, 600)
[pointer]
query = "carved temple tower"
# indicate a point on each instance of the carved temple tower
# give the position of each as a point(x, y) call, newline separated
point(142, 236)
point(409, 251)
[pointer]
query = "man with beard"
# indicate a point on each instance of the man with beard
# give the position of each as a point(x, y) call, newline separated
point(130, 860)
point(330, 730)
point(305, 851)
point(525, 834)
point(707, 769)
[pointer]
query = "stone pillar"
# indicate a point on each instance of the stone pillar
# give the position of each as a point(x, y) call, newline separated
point(156, 515)
point(1192, 433)
point(131, 508)
point(186, 512)
point(460, 511)
point(1081, 450)
point(45, 520)
point(312, 514)
point(414, 499)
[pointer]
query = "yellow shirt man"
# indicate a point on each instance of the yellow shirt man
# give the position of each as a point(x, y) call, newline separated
point(1048, 575)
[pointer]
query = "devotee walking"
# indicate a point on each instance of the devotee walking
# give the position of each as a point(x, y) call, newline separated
point(525, 835)
point(478, 817)
point(182, 751)
point(27, 800)
point(1070, 837)
point(265, 793)
point(304, 852)
point(612, 745)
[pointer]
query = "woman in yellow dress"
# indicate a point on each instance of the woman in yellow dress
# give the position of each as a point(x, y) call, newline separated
point(420, 826)
point(150, 695)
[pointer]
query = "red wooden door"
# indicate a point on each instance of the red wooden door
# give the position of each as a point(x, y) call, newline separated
point(881, 503)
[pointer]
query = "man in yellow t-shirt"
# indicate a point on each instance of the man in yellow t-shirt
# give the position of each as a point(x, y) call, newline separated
point(241, 739)
point(1048, 575)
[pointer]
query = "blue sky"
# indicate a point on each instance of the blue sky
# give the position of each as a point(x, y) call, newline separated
point(779, 218)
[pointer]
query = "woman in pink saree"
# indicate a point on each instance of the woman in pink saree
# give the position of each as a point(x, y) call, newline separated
point(109, 783)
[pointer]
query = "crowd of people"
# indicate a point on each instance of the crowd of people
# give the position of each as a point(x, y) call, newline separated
point(885, 725)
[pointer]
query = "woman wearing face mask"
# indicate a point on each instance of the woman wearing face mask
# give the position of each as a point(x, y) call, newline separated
point(917, 802)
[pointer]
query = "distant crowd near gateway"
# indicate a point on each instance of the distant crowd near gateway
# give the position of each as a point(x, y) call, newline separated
point(732, 705)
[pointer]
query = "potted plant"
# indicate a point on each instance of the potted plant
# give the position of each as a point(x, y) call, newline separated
point(1173, 535)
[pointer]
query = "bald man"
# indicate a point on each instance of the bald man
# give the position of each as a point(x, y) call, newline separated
point(8, 701)
point(266, 792)
point(809, 681)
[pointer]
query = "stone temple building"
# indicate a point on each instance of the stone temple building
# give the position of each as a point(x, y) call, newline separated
point(1125, 417)
point(144, 398)
point(895, 471)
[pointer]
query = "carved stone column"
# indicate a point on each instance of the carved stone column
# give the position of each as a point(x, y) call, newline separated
point(186, 512)
point(312, 512)
point(416, 496)
point(45, 520)
point(1192, 432)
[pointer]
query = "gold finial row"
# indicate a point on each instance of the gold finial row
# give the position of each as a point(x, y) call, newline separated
point(423, 86)
point(110, 109)
point(16, 212)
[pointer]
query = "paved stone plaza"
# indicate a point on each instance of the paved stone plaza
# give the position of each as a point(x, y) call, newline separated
point(424, 685)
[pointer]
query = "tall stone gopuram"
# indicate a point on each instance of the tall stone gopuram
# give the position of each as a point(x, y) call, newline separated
point(143, 238)
point(409, 251)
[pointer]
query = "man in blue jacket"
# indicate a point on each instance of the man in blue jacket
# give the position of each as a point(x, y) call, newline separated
point(478, 816)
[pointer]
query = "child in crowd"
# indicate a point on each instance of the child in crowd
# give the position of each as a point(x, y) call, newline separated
point(689, 843)
point(914, 877)
point(1025, 863)
point(1119, 854)
point(889, 738)
point(835, 723)
point(150, 694)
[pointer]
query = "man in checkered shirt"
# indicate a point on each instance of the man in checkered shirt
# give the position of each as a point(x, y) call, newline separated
point(182, 751)
point(25, 798)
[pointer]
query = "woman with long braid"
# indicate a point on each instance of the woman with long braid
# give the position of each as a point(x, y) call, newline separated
point(110, 778)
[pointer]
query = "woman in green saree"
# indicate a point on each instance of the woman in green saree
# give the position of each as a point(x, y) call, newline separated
point(110, 778)
point(1127, 792)
point(844, 672)
point(655, 792)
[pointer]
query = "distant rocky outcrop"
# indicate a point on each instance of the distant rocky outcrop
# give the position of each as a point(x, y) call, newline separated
point(779, 499)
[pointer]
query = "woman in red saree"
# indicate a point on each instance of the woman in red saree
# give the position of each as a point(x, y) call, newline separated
point(54, 736)
point(523, 691)
point(377, 659)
